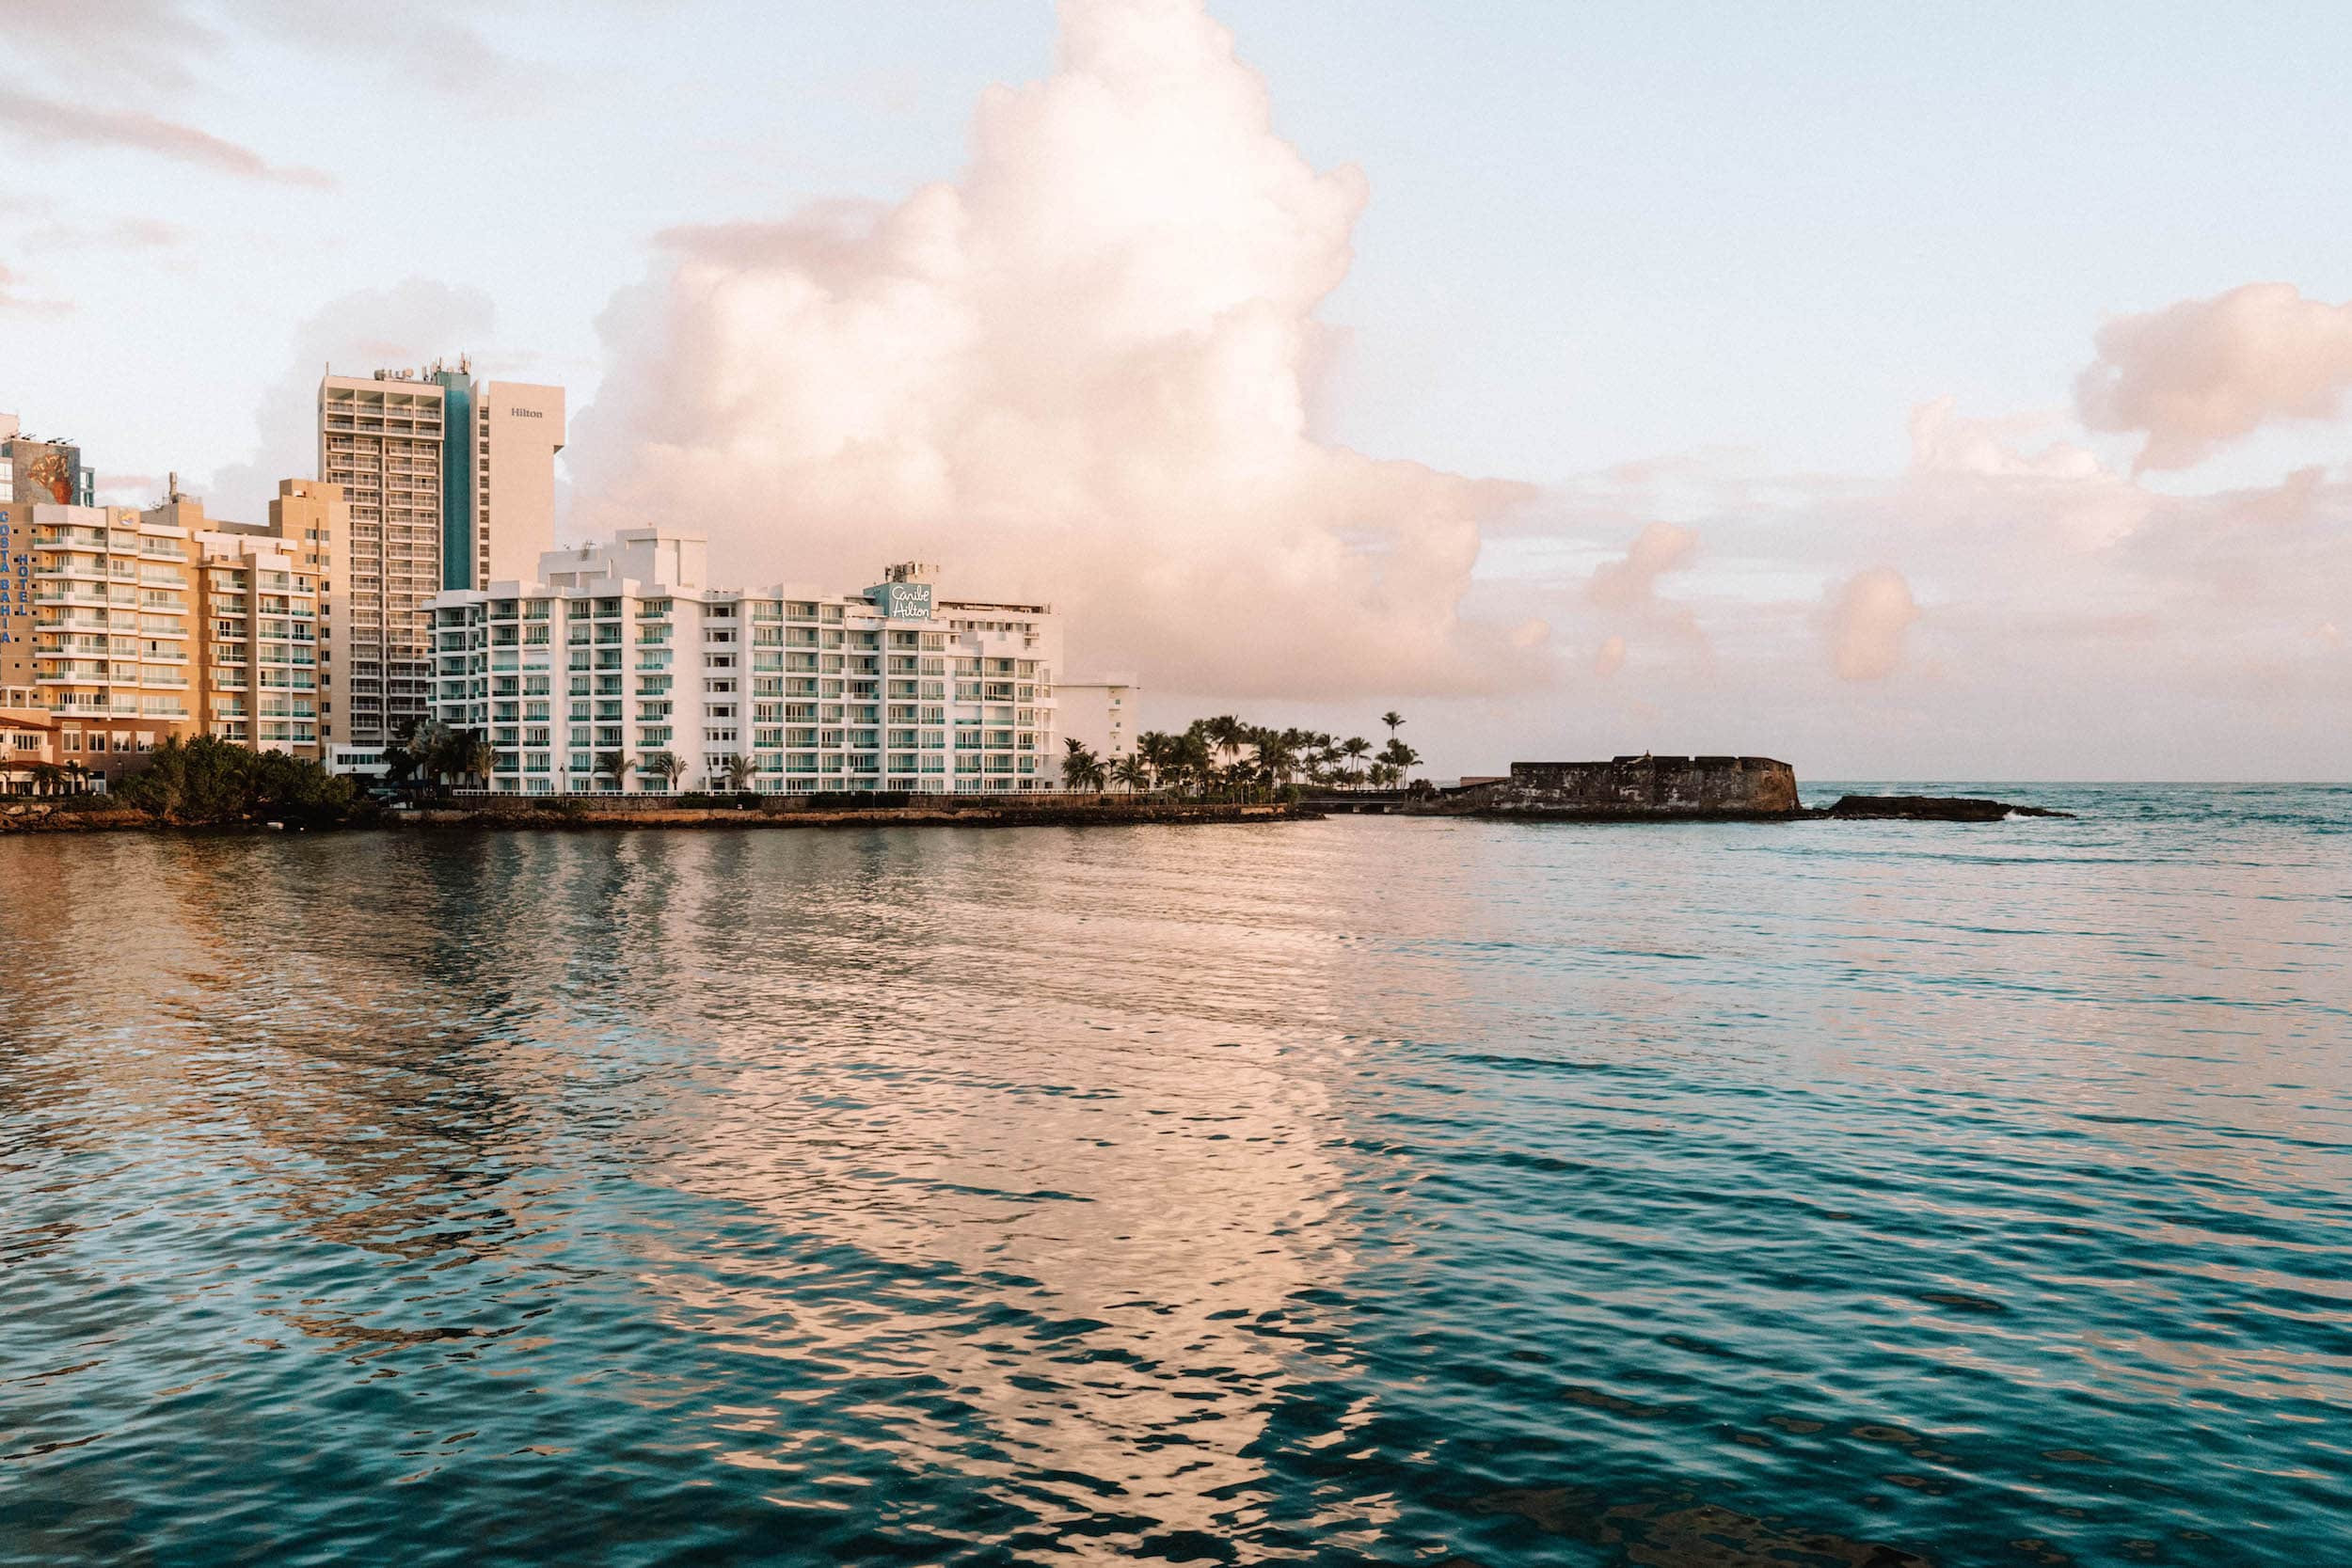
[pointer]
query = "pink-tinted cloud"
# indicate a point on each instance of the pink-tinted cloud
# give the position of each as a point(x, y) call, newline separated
point(1632, 581)
point(1870, 615)
point(46, 122)
point(432, 43)
point(125, 233)
point(1946, 441)
point(15, 299)
point(408, 323)
point(2202, 372)
point(113, 45)
point(1083, 369)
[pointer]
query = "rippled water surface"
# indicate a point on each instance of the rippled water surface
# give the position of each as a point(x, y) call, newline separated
point(1825, 1195)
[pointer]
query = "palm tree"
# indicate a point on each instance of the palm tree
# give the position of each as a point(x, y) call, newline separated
point(739, 771)
point(1394, 719)
point(474, 757)
point(1157, 750)
point(1278, 755)
point(614, 766)
point(1355, 749)
point(1192, 760)
point(1398, 756)
point(441, 753)
point(1081, 769)
point(1133, 773)
point(1226, 732)
point(670, 765)
point(420, 746)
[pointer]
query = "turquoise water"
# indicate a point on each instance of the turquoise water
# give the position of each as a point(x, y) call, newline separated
point(1829, 1195)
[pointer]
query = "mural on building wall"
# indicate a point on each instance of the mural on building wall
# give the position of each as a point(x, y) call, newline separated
point(53, 471)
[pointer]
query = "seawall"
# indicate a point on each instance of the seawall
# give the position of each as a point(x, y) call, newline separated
point(1634, 790)
point(785, 812)
point(22, 814)
point(19, 815)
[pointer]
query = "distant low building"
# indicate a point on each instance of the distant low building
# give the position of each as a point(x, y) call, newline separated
point(1100, 712)
point(359, 762)
point(28, 750)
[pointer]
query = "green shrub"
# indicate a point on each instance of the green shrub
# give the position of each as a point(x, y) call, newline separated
point(206, 781)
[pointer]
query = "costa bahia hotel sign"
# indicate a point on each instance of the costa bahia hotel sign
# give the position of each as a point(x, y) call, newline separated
point(904, 601)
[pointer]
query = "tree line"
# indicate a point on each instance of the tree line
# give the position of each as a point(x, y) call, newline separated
point(1229, 758)
point(210, 781)
point(1225, 757)
point(428, 752)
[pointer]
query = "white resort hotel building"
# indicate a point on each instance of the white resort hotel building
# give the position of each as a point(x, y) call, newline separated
point(625, 648)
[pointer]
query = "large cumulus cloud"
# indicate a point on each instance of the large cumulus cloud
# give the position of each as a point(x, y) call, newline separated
point(1082, 369)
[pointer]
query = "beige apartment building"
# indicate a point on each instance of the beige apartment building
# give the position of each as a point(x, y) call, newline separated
point(113, 592)
point(32, 471)
point(312, 523)
point(263, 670)
point(447, 481)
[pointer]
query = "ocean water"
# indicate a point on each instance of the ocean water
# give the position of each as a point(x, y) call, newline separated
point(1814, 1194)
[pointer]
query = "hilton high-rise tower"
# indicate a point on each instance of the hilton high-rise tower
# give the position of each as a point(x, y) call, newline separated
point(450, 482)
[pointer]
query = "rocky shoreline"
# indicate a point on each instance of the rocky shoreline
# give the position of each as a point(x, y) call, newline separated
point(1928, 808)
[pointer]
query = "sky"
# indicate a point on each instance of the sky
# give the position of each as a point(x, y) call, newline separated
point(1904, 393)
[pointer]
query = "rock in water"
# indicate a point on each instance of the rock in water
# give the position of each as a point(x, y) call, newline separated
point(1932, 808)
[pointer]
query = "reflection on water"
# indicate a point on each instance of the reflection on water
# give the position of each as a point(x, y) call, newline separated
point(1365, 1191)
